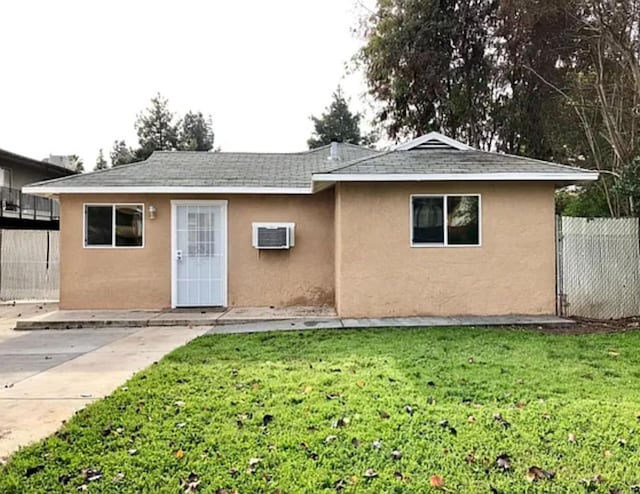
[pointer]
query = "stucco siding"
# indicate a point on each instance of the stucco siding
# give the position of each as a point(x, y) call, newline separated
point(380, 274)
point(141, 278)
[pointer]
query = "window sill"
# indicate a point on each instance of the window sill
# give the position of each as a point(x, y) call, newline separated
point(444, 246)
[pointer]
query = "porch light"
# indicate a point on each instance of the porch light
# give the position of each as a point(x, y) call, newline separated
point(152, 212)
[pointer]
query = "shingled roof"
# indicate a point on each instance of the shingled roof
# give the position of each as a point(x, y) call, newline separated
point(433, 157)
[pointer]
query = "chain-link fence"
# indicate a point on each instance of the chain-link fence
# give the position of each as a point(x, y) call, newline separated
point(598, 267)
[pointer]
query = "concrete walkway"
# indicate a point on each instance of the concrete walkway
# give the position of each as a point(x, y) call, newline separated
point(238, 317)
point(77, 319)
point(46, 376)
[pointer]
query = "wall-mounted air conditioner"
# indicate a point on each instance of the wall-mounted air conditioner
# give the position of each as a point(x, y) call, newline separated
point(273, 235)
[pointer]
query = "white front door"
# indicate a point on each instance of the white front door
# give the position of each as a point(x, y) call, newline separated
point(199, 250)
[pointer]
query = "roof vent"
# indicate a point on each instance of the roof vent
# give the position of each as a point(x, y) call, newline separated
point(334, 154)
point(434, 140)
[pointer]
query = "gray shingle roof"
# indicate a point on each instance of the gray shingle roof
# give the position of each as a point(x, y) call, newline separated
point(201, 169)
point(429, 158)
point(449, 161)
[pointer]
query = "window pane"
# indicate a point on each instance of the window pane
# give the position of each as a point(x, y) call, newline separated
point(463, 220)
point(98, 227)
point(428, 220)
point(129, 226)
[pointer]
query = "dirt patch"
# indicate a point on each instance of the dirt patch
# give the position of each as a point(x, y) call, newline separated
point(591, 326)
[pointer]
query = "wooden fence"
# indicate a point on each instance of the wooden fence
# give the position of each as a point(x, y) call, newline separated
point(29, 265)
point(598, 267)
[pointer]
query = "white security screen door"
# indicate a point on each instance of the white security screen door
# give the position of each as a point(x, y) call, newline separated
point(199, 254)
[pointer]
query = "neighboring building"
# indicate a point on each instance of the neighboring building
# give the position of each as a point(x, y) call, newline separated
point(25, 211)
point(432, 227)
point(62, 160)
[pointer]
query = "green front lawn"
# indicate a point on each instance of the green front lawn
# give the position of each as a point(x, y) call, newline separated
point(384, 410)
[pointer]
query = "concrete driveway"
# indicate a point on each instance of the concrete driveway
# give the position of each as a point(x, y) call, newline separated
point(45, 376)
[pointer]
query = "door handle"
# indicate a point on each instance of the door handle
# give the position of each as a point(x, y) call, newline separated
point(179, 255)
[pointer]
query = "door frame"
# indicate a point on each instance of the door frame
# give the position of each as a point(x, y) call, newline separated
point(174, 242)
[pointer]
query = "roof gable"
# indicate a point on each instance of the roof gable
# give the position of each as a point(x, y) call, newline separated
point(433, 140)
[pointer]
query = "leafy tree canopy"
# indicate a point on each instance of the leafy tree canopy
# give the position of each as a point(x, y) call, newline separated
point(76, 163)
point(121, 154)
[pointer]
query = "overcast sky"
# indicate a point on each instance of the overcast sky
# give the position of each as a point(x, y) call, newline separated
point(76, 73)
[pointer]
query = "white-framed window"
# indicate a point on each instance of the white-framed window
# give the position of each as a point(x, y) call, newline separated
point(445, 220)
point(114, 225)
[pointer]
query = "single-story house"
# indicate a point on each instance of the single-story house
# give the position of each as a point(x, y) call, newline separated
point(432, 227)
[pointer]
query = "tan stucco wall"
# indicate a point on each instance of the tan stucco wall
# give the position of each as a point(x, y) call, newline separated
point(380, 274)
point(141, 278)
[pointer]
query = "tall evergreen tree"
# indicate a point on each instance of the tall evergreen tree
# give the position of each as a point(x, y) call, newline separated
point(156, 129)
point(337, 123)
point(101, 163)
point(195, 132)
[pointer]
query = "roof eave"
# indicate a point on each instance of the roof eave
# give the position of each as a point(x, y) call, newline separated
point(53, 191)
point(566, 178)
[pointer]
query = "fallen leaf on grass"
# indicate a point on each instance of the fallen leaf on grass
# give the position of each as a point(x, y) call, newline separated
point(503, 462)
point(191, 483)
point(498, 418)
point(307, 389)
point(332, 396)
point(119, 477)
point(330, 439)
point(408, 409)
point(253, 464)
point(339, 484)
point(608, 454)
point(471, 419)
point(593, 481)
point(267, 419)
point(436, 481)
point(396, 454)
point(384, 415)
point(571, 438)
point(536, 473)
point(470, 458)
point(376, 445)
point(355, 443)
point(107, 430)
point(370, 474)
point(33, 470)
point(341, 422)
point(179, 454)
point(360, 383)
